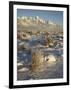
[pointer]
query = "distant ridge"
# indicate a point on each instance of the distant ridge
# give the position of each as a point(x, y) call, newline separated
point(36, 23)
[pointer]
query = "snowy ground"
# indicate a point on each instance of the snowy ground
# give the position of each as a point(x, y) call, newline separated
point(48, 71)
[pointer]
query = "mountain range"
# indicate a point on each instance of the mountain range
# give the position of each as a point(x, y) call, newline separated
point(36, 23)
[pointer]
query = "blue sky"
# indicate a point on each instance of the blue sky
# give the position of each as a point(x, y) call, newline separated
point(54, 16)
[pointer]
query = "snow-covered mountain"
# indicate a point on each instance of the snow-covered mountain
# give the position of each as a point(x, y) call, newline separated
point(36, 23)
point(30, 20)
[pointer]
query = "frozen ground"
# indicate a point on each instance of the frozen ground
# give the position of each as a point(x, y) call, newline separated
point(48, 70)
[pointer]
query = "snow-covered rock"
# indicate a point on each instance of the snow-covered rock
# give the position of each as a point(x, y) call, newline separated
point(23, 69)
point(19, 64)
point(50, 58)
